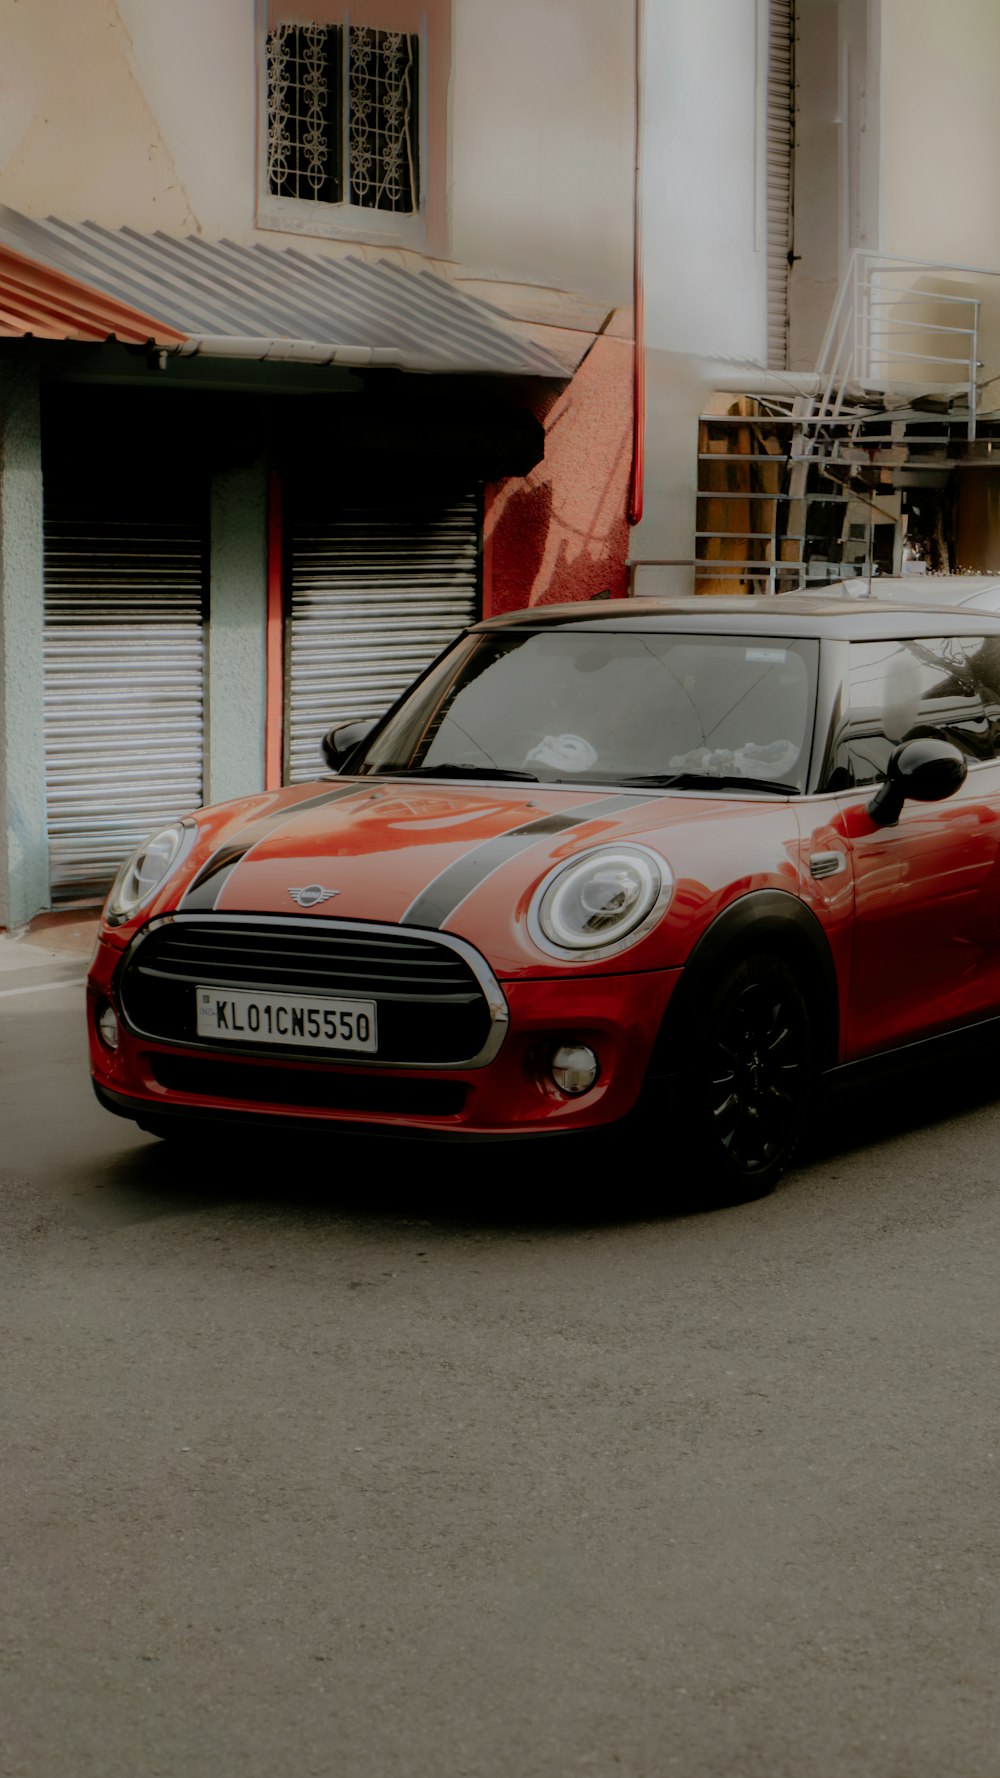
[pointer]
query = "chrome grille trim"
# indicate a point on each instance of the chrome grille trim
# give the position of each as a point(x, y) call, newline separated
point(413, 948)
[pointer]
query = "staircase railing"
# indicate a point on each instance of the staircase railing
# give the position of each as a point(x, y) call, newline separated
point(882, 311)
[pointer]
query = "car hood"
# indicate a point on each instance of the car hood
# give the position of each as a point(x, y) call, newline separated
point(462, 859)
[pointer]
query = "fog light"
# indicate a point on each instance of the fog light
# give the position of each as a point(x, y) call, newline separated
point(107, 1025)
point(574, 1068)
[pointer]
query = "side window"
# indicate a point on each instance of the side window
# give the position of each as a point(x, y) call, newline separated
point(898, 690)
point(983, 656)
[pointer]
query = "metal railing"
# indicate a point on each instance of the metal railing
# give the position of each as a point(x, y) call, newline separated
point(881, 313)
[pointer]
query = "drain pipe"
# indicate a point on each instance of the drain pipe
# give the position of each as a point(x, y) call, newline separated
point(638, 302)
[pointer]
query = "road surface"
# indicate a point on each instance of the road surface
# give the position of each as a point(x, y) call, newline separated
point(376, 1461)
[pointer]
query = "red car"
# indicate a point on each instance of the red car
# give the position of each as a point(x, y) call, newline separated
point(600, 856)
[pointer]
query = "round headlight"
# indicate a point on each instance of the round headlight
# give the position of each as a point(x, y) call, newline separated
point(145, 869)
point(601, 901)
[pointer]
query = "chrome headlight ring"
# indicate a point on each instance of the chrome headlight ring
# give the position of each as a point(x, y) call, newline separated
point(599, 902)
point(146, 869)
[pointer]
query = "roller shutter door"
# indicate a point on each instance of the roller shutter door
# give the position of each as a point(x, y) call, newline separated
point(780, 93)
point(376, 593)
point(124, 691)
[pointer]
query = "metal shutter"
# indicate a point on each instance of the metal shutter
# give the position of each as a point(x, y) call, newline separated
point(376, 593)
point(779, 176)
point(124, 691)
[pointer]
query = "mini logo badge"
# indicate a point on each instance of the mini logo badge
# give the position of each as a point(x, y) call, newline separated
point(312, 895)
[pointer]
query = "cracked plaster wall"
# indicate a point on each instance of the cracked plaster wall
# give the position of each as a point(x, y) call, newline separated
point(79, 134)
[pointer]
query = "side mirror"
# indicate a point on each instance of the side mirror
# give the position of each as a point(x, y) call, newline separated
point(341, 741)
point(926, 770)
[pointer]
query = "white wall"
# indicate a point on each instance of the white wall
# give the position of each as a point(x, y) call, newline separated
point(702, 233)
point(543, 141)
point(196, 67)
point(837, 178)
point(941, 130)
point(143, 112)
point(90, 112)
point(703, 238)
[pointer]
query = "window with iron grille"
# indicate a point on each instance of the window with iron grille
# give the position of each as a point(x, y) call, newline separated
point(342, 116)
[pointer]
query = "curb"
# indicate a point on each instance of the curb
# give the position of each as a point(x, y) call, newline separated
point(47, 972)
point(50, 953)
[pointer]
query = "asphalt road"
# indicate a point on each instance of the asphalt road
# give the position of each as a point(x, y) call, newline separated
point(365, 1460)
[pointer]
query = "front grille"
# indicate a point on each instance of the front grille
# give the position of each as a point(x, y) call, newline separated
point(259, 1084)
point(431, 1005)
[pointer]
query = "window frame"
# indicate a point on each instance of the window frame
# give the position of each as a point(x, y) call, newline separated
point(342, 220)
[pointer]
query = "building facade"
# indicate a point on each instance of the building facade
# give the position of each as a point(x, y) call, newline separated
point(821, 292)
point(315, 341)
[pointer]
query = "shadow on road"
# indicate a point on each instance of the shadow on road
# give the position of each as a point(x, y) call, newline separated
point(57, 1136)
point(559, 1185)
point(856, 1112)
point(551, 1185)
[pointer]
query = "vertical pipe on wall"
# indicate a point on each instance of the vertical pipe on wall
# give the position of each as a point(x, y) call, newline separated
point(638, 300)
point(274, 719)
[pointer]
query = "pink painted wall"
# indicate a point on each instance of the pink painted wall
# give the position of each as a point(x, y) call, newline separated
point(562, 532)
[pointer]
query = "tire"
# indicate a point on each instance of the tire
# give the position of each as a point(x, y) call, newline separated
point(746, 1087)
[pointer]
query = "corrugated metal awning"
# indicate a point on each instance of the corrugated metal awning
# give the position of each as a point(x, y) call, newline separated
point(80, 281)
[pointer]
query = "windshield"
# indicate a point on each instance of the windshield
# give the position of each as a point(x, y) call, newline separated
point(568, 706)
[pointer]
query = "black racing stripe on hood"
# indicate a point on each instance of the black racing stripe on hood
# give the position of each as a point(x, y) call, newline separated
point(208, 885)
point(435, 904)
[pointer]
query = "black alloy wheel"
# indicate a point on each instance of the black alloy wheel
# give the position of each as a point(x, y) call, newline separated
point(750, 1079)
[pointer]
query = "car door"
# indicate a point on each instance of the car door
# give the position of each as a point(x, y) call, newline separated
point(926, 943)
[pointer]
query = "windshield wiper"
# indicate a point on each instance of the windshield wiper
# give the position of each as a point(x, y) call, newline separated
point(455, 771)
point(711, 781)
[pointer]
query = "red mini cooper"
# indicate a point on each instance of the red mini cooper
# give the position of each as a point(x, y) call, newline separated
point(600, 856)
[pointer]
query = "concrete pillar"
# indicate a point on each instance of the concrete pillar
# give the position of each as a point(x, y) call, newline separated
point(237, 685)
point(24, 874)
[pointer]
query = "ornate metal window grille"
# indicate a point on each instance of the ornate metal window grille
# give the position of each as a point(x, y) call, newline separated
point(306, 107)
point(383, 119)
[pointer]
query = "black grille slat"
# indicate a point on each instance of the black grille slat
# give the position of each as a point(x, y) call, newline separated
point(193, 962)
point(235, 969)
point(404, 953)
point(431, 1007)
point(302, 964)
point(364, 986)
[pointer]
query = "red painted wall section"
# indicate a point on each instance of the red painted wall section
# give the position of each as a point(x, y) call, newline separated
point(562, 532)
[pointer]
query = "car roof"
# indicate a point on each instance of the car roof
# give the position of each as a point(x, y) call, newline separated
point(915, 589)
point(784, 614)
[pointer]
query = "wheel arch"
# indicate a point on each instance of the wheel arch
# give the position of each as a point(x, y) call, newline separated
point(766, 920)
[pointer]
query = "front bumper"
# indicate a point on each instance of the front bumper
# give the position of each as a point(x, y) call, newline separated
point(513, 1094)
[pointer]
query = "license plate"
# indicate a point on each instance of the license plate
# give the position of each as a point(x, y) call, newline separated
point(237, 1016)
